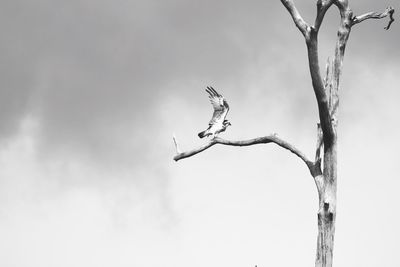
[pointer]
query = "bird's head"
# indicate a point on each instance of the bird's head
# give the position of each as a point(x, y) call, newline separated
point(227, 123)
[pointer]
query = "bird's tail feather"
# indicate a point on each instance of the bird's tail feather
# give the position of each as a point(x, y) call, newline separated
point(202, 134)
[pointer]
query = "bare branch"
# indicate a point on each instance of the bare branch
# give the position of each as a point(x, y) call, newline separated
point(259, 140)
point(391, 20)
point(375, 15)
point(342, 5)
point(322, 7)
point(176, 145)
point(319, 88)
point(298, 20)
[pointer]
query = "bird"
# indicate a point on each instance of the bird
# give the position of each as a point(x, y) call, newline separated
point(218, 123)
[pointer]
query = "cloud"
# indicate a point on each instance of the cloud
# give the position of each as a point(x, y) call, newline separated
point(92, 91)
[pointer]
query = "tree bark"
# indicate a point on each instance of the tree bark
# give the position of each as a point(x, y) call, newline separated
point(327, 209)
point(326, 233)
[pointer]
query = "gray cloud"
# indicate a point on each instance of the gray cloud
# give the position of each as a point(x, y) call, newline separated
point(106, 83)
point(93, 72)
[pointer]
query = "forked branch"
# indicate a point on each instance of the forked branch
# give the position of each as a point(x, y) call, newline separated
point(376, 15)
point(298, 20)
point(311, 37)
point(273, 138)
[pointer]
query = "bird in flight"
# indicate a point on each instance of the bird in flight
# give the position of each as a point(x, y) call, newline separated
point(218, 123)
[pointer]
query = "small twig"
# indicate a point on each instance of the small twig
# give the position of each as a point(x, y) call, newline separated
point(375, 15)
point(391, 19)
point(176, 145)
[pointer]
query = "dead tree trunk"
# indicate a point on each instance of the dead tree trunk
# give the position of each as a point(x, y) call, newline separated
point(324, 168)
point(327, 96)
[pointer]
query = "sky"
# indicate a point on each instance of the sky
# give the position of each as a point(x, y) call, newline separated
point(91, 93)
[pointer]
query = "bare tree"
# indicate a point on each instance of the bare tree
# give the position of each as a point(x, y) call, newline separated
point(323, 168)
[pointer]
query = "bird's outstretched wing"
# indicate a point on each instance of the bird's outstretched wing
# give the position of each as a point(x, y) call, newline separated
point(220, 106)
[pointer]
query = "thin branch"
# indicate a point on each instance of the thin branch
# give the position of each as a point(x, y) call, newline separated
point(391, 20)
point(259, 140)
point(298, 20)
point(375, 15)
point(322, 7)
point(176, 145)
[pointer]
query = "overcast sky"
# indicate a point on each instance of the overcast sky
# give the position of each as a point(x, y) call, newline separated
point(91, 93)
